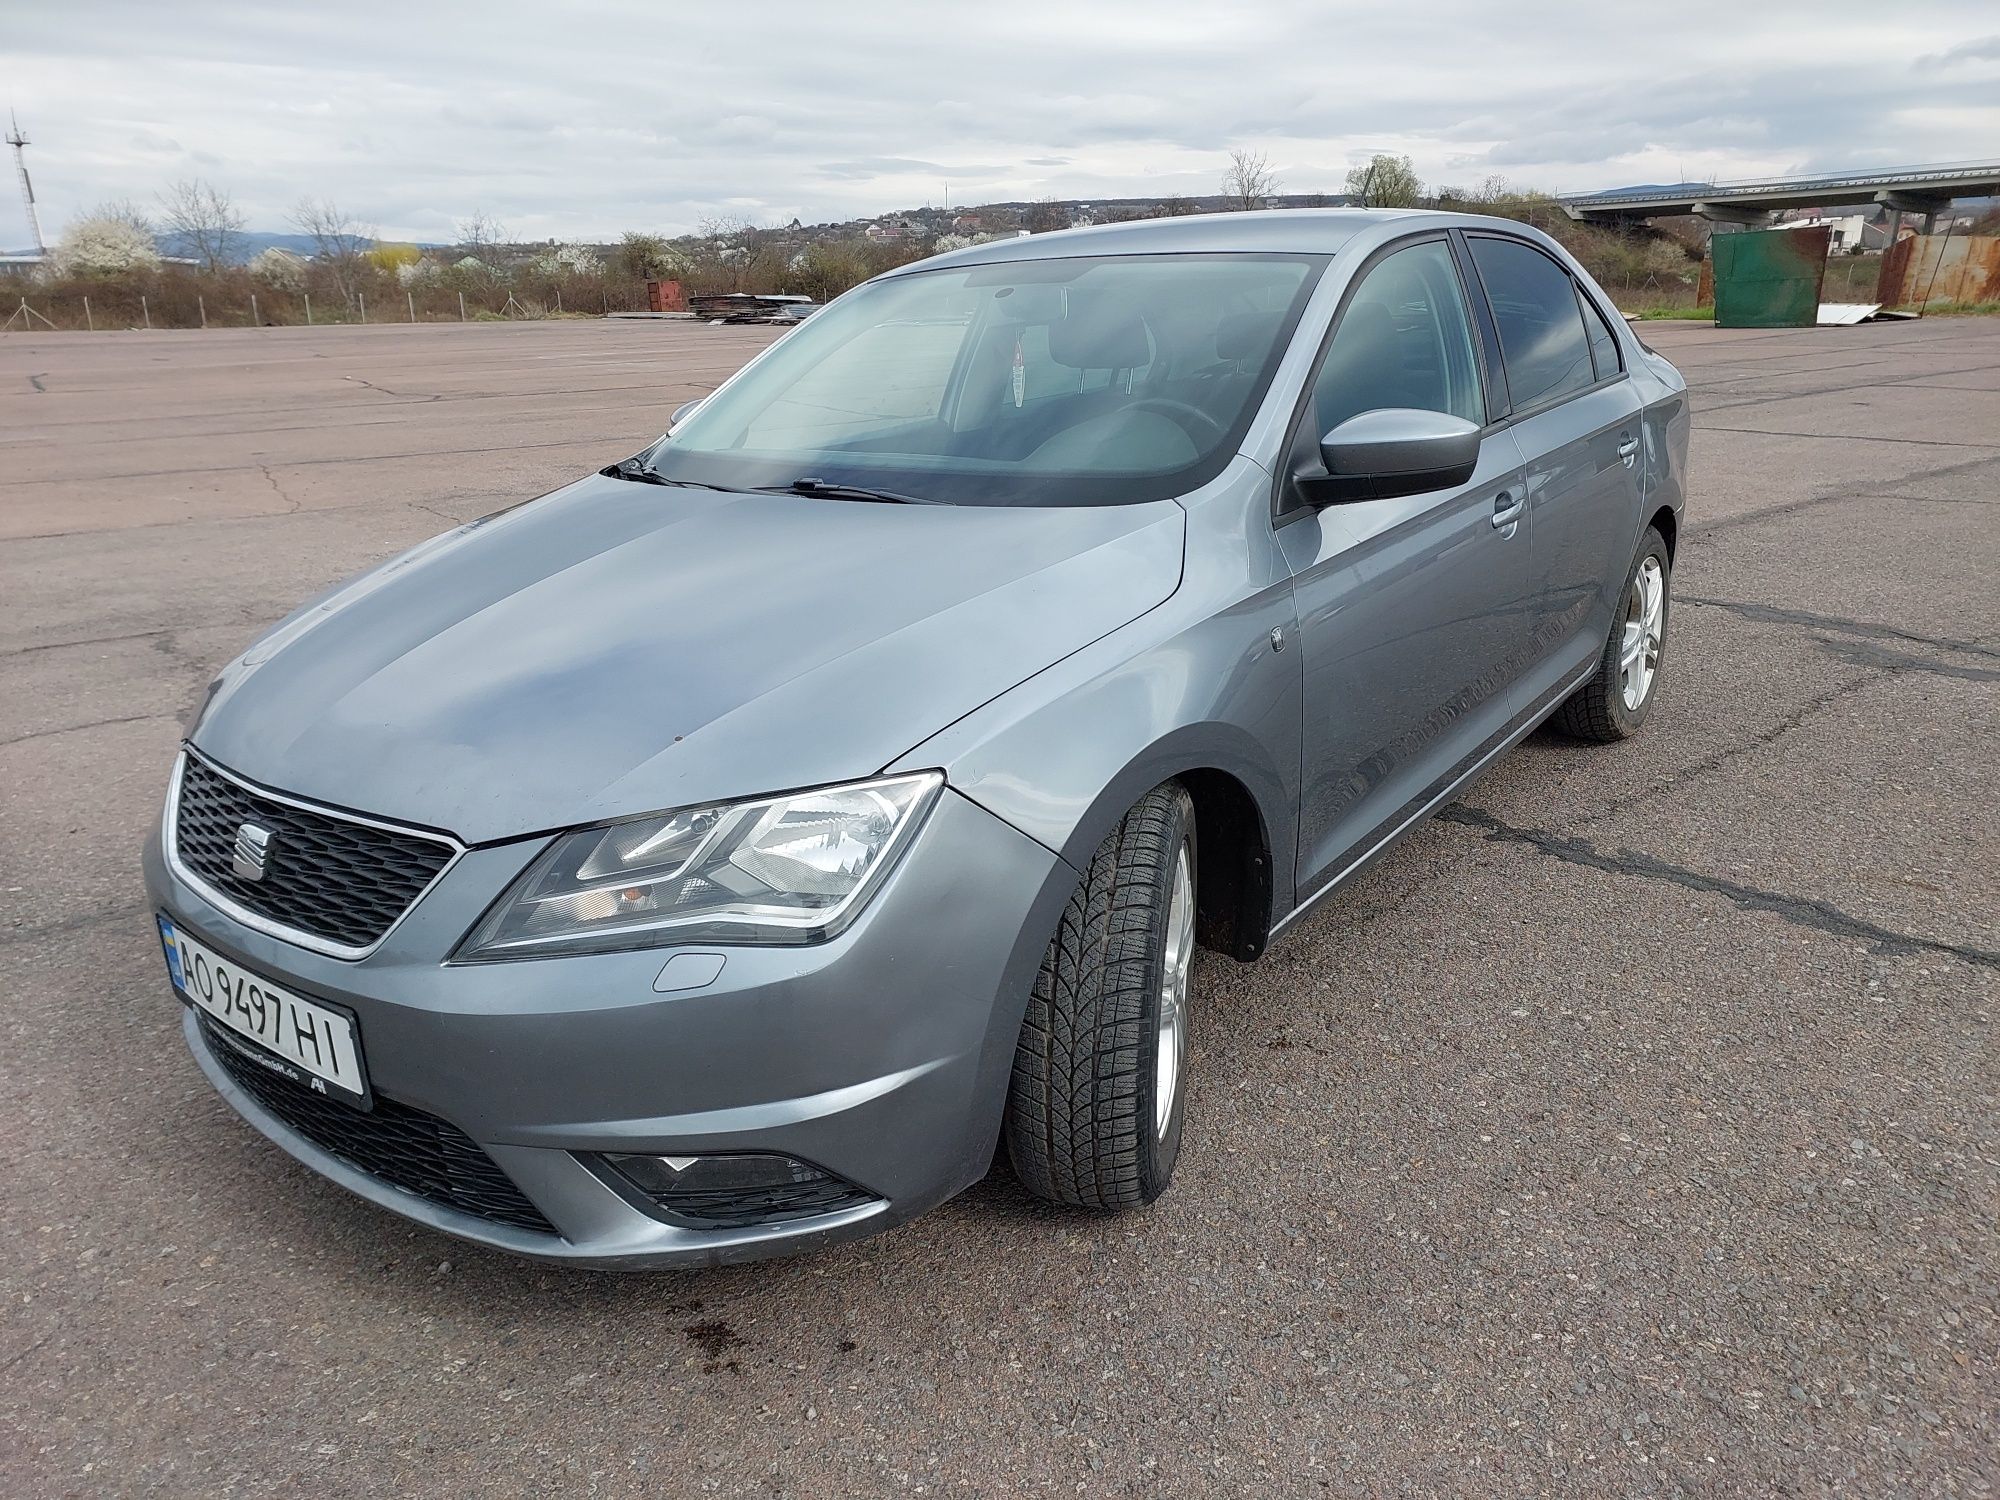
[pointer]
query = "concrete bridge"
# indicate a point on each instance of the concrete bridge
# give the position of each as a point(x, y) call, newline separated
point(1917, 190)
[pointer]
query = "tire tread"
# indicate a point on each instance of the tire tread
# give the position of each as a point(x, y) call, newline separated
point(1078, 1110)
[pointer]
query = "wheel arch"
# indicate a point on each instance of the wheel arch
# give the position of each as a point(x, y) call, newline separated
point(1233, 867)
point(1240, 828)
point(1668, 525)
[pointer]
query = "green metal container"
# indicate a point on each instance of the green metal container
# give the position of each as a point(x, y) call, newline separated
point(1769, 278)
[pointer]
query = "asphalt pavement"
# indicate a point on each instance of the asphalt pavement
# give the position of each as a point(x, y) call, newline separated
point(1631, 1130)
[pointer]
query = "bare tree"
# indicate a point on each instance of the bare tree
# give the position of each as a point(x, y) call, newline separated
point(479, 234)
point(733, 227)
point(1249, 181)
point(123, 211)
point(204, 218)
point(1178, 207)
point(338, 242)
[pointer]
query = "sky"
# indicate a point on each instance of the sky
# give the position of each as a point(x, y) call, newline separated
point(584, 121)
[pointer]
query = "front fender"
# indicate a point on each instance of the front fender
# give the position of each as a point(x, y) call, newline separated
point(1065, 755)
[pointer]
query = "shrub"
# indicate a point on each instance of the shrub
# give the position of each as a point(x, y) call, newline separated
point(418, 274)
point(648, 257)
point(100, 247)
point(280, 269)
point(565, 261)
point(392, 258)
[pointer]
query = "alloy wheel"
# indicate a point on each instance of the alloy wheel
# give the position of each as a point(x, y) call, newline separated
point(1645, 624)
point(1171, 1061)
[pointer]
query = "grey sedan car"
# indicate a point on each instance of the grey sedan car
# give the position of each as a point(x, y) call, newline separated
point(731, 851)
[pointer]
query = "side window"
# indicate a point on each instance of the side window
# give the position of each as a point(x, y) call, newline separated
point(1403, 340)
point(1603, 344)
point(1541, 329)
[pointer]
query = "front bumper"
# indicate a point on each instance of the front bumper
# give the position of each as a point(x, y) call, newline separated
point(881, 1056)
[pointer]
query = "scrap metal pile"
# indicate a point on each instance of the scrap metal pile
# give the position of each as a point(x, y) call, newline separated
point(750, 307)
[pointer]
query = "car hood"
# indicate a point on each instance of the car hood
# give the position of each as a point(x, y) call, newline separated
point(617, 648)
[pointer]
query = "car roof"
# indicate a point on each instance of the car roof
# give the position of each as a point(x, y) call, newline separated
point(1314, 231)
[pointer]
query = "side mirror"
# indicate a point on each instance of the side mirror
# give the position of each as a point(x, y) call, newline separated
point(1395, 450)
point(682, 412)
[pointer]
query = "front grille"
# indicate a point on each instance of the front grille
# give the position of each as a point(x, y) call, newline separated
point(402, 1146)
point(326, 876)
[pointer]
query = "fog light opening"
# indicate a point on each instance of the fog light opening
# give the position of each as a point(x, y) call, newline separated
point(734, 1190)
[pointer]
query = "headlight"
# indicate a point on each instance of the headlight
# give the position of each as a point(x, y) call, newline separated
point(792, 869)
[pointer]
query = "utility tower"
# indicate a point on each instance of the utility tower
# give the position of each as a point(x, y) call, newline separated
point(18, 141)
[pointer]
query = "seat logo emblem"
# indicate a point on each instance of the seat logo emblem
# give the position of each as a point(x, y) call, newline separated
point(252, 852)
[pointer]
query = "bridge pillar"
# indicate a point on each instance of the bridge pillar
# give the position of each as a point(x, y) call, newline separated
point(1900, 203)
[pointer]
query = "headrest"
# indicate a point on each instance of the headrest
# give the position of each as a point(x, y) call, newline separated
point(1099, 336)
point(1240, 335)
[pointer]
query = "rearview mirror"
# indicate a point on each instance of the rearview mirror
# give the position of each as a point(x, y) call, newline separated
point(682, 412)
point(1395, 450)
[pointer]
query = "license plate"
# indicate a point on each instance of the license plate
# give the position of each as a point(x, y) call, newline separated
point(307, 1041)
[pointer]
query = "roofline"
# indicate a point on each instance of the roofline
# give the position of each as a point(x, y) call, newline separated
point(1192, 234)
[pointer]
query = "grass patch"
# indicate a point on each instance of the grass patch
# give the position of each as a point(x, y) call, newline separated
point(1687, 314)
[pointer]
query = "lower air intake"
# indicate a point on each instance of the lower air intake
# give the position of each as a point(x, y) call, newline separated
point(394, 1143)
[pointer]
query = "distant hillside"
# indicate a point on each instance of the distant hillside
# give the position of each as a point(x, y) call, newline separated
point(1650, 189)
point(248, 244)
point(1099, 209)
point(1208, 203)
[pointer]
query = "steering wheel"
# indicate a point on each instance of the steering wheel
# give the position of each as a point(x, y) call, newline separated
point(1193, 420)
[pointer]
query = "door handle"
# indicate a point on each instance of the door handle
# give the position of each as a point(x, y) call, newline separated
point(1628, 451)
point(1507, 508)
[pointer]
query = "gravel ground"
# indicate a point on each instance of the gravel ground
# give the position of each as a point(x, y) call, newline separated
point(1631, 1130)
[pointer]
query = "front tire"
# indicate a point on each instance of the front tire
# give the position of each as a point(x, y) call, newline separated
point(1614, 703)
point(1099, 1089)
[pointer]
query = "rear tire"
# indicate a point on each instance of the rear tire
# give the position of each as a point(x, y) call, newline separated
point(1614, 703)
point(1099, 1090)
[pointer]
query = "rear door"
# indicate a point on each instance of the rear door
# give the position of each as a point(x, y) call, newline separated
point(1575, 419)
point(1414, 611)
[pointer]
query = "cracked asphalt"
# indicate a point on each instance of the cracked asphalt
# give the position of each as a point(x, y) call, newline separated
point(1630, 1130)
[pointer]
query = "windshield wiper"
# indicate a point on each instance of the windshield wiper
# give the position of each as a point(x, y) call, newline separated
point(633, 469)
point(833, 489)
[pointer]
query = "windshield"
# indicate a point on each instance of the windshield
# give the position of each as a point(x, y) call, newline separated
point(1088, 381)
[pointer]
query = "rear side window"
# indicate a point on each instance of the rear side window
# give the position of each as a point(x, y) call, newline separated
point(1603, 344)
point(1541, 328)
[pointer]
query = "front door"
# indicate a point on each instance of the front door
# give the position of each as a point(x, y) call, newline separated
point(1414, 613)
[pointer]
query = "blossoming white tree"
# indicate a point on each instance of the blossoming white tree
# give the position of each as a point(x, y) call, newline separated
point(567, 260)
point(280, 268)
point(103, 245)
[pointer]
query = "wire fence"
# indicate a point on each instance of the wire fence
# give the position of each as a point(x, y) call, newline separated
point(237, 300)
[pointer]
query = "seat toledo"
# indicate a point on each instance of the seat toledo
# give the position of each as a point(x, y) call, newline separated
point(726, 853)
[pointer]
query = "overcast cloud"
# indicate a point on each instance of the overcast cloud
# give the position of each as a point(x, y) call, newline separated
point(582, 122)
